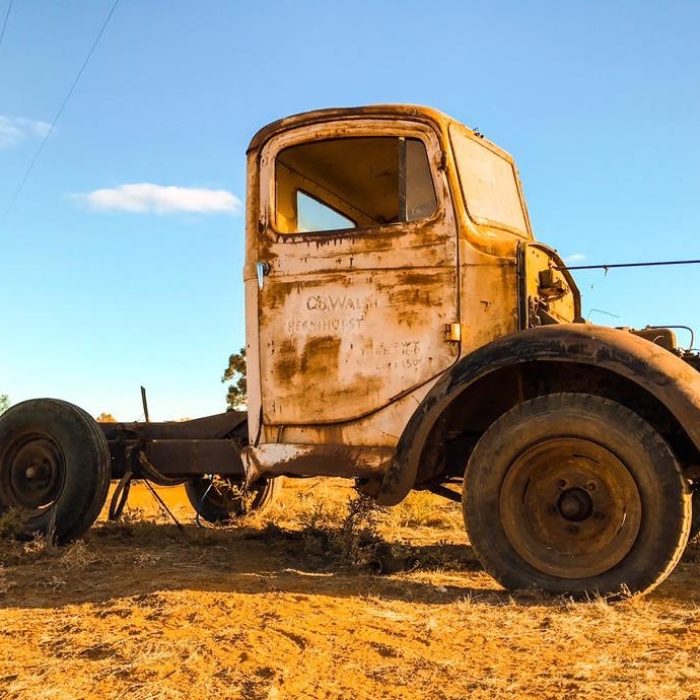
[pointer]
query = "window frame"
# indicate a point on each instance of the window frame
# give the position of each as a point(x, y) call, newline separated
point(526, 233)
point(359, 128)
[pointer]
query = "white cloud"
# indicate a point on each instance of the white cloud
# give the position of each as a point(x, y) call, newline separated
point(14, 130)
point(574, 258)
point(149, 198)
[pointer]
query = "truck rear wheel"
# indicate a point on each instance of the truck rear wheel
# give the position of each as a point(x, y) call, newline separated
point(219, 499)
point(574, 493)
point(54, 468)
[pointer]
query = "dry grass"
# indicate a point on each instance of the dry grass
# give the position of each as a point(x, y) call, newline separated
point(286, 605)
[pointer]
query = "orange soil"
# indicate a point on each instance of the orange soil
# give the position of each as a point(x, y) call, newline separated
point(138, 611)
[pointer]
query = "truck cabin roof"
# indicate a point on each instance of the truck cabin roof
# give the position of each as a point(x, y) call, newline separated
point(418, 113)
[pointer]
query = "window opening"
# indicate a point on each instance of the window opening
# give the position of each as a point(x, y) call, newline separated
point(352, 183)
point(313, 215)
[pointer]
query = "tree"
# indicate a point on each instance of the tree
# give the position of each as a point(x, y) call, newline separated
point(237, 393)
point(4, 402)
point(106, 418)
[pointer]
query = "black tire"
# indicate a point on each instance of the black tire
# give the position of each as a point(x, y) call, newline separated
point(574, 493)
point(223, 499)
point(54, 468)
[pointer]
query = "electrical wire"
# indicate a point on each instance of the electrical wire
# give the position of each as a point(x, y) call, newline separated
point(653, 263)
point(4, 24)
point(39, 150)
point(201, 503)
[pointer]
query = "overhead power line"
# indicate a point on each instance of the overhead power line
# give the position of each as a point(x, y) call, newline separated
point(4, 22)
point(610, 266)
point(57, 116)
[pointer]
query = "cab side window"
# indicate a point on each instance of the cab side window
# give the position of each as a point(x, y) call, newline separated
point(352, 183)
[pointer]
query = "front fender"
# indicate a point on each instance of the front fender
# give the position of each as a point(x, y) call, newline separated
point(664, 375)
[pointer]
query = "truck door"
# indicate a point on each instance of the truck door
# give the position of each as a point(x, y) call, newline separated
point(357, 261)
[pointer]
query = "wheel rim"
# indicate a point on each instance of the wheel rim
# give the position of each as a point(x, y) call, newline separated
point(570, 507)
point(230, 494)
point(32, 473)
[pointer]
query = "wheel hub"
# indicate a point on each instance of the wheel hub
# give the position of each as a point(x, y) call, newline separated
point(570, 507)
point(32, 472)
point(575, 504)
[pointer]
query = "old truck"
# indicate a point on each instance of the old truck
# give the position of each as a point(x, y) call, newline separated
point(405, 329)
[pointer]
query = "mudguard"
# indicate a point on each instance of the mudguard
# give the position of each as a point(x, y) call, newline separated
point(664, 375)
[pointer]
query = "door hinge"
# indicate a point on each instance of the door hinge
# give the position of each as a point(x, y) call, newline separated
point(453, 332)
point(263, 269)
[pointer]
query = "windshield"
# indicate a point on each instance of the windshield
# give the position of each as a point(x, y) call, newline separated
point(489, 184)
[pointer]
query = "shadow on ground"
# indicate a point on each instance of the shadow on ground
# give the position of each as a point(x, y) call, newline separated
point(116, 561)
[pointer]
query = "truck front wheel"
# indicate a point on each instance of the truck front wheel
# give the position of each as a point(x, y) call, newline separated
point(574, 493)
point(54, 468)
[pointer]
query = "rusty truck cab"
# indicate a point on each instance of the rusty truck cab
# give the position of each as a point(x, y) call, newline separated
point(383, 244)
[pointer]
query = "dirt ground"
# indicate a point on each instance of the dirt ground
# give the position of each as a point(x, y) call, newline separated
point(289, 605)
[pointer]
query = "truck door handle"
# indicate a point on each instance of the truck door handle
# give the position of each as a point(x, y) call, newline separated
point(263, 270)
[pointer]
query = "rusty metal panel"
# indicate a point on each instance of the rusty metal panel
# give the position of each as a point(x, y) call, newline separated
point(489, 288)
point(348, 461)
point(250, 283)
point(550, 294)
point(380, 429)
point(665, 337)
point(216, 426)
point(343, 348)
point(199, 446)
point(195, 456)
point(415, 113)
point(349, 323)
point(175, 457)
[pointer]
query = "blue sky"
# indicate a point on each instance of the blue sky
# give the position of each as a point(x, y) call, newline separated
point(599, 102)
